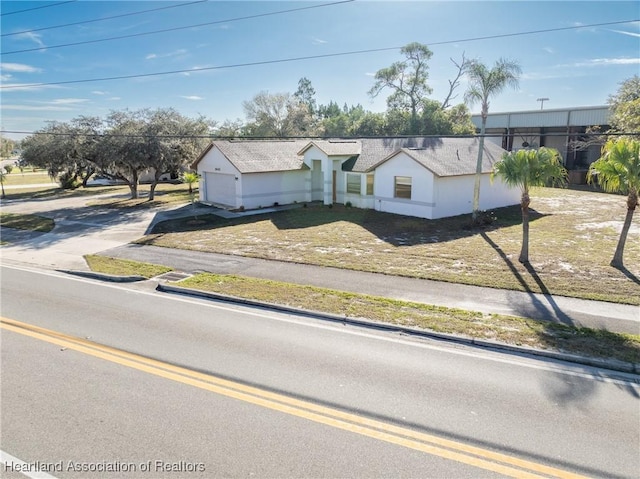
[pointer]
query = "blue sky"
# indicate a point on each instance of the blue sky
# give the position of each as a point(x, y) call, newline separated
point(577, 67)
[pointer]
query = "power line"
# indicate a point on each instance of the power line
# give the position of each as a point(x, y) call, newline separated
point(154, 32)
point(37, 8)
point(101, 19)
point(213, 135)
point(310, 57)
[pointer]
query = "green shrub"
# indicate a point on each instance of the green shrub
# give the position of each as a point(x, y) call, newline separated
point(68, 181)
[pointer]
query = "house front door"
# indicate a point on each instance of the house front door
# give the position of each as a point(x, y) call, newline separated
point(333, 184)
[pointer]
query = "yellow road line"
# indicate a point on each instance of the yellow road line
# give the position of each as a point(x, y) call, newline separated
point(427, 443)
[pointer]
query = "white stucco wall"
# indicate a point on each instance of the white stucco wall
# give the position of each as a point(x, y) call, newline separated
point(215, 162)
point(282, 187)
point(436, 197)
point(454, 195)
point(421, 203)
point(313, 153)
point(362, 200)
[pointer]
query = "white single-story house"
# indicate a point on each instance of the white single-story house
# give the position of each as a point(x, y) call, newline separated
point(415, 176)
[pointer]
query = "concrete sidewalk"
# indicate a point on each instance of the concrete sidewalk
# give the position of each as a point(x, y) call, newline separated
point(81, 231)
point(570, 311)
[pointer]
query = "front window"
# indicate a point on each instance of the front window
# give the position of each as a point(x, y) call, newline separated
point(353, 184)
point(403, 187)
point(369, 185)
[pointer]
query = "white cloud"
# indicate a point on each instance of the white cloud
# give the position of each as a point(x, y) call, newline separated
point(10, 87)
point(19, 68)
point(153, 56)
point(318, 41)
point(68, 101)
point(115, 98)
point(36, 108)
point(98, 92)
point(631, 34)
point(596, 62)
point(192, 97)
point(549, 50)
point(544, 75)
point(32, 37)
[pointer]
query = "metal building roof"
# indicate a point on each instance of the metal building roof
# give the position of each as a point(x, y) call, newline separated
point(561, 117)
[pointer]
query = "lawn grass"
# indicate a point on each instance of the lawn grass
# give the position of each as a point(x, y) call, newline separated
point(573, 235)
point(27, 178)
point(26, 222)
point(122, 267)
point(165, 194)
point(470, 324)
point(43, 193)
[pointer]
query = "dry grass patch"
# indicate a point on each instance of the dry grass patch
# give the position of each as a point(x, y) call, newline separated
point(505, 329)
point(16, 178)
point(123, 267)
point(165, 194)
point(573, 237)
point(471, 324)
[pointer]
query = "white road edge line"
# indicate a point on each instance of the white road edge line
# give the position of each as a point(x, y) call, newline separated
point(11, 463)
point(576, 370)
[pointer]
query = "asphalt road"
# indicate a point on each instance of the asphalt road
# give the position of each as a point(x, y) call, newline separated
point(125, 375)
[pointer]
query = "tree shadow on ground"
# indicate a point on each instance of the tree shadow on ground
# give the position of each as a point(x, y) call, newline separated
point(628, 274)
point(396, 230)
point(76, 222)
point(544, 303)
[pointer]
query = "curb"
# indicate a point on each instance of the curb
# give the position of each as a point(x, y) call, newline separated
point(105, 277)
point(612, 364)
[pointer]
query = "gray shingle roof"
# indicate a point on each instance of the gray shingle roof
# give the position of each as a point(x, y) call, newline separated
point(443, 156)
point(255, 156)
point(337, 147)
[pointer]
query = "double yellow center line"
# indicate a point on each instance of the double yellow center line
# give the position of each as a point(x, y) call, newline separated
point(456, 451)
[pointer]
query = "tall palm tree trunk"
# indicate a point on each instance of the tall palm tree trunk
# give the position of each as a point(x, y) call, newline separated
point(632, 202)
point(476, 186)
point(524, 251)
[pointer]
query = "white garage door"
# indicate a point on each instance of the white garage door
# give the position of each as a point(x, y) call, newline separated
point(221, 188)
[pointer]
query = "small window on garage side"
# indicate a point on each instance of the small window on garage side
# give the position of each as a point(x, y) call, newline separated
point(369, 185)
point(402, 187)
point(353, 183)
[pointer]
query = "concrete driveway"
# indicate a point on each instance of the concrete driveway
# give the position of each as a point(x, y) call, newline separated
point(80, 229)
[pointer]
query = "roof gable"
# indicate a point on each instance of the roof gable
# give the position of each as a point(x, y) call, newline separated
point(448, 156)
point(260, 156)
point(335, 147)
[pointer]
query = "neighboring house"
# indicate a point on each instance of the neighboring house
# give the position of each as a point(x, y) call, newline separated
point(554, 128)
point(422, 177)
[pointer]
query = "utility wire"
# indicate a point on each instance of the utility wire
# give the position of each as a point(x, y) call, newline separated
point(240, 138)
point(37, 8)
point(102, 19)
point(310, 57)
point(154, 32)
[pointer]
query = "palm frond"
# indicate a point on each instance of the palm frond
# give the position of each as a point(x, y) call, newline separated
point(618, 169)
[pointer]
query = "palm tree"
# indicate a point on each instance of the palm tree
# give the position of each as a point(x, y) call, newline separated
point(618, 171)
point(190, 178)
point(526, 169)
point(484, 83)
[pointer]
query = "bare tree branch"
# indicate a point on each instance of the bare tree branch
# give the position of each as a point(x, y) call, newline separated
point(453, 84)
